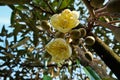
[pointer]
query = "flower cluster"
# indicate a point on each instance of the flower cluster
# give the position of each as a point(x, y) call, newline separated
point(59, 49)
point(65, 21)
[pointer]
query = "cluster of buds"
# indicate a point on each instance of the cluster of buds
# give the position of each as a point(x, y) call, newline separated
point(79, 37)
point(59, 47)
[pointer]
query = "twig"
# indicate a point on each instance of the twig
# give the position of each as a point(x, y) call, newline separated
point(91, 11)
point(105, 24)
point(43, 66)
point(103, 9)
point(49, 6)
point(115, 21)
point(41, 9)
point(114, 15)
point(59, 5)
point(83, 61)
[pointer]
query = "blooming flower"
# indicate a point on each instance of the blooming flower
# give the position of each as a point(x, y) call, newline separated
point(65, 21)
point(59, 49)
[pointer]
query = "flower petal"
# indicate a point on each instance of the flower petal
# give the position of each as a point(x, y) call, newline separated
point(59, 49)
point(65, 21)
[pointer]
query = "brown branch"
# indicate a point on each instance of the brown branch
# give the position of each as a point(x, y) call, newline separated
point(40, 8)
point(111, 59)
point(91, 11)
point(83, 61)
point(114, 21)
point(103, 9)
point(114, 15)
point(93, 64)
point(12, 2)
point(46, 1)
point(43, 66)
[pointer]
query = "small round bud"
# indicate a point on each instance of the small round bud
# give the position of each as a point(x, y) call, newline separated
point(46, 55)
point(89, 40)
point(45, 24)
point(83, 32)
point(89, 55)
point(75, 41)
point(75, 34)
point(59, 35)
point(96, 3)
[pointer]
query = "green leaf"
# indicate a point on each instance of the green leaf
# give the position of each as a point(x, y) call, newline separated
point(88, 74)
point(35, 38)
point(18, 28)
point(21, 7)
point(10, 34)
point(65, 3)
point(1, 40)
point(1, 4)
point(13, 17)
point(37, 1)
point(46, 77)
point(78, 61)
point(6, 43)
point(21, 42)
point(108, 79)
point(2, 48)
point(3, 31)
point(93, 73)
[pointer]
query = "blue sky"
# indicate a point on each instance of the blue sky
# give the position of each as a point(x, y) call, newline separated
point(5, 13)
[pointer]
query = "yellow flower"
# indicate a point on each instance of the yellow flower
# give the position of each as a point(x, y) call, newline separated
point(59, 49)
point(65, 21)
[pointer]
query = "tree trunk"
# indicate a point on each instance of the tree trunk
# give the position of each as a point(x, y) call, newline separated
point(111, 59)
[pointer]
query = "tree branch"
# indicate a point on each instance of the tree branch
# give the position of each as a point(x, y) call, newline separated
point(83, 61)
point(111, 59)
point(49, 6)
point(114, 15)
point(41, 9)
point(93, 64)
point(91, 11)
point(114, 21)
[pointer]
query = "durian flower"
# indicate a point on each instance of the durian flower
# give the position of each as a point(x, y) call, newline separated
point(59, 49)
point(65, 21)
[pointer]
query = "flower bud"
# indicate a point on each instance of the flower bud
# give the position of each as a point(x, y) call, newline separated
point(83, 32)
point(89, 40)
point(75, 34)
point(75, 41)
point(96, 3)
point(59, 35)
point(89, 55)
point(45, 24)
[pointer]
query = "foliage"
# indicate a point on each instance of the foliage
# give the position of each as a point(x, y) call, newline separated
point(23, 54)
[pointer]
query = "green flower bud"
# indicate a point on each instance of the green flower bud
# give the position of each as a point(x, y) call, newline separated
point(89, 55)
point(83, 32)
point(59, 35)
point(75, 34)
point(96, 3)
point(45, 25)
point(75, 41)
point(89, 40)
